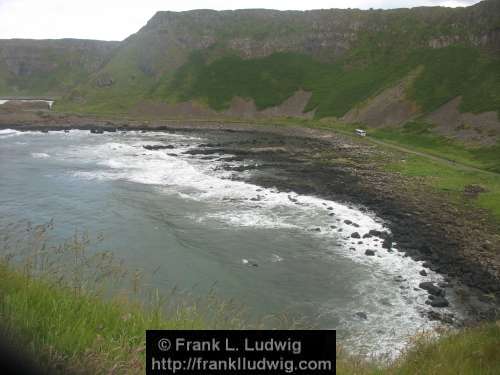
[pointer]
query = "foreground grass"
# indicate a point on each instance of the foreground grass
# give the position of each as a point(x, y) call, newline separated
point(80, 330)
point(75, 309)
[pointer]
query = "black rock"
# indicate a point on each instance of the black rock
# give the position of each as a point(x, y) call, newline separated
point(362, 315)
point(370, 252)
point(375, 233)
point(355, 235)
point(157, 147)
point(348, 222)
point(431, 288)
point(423, 273)
point(96, 131)
point(387, 244)
point(438, 302)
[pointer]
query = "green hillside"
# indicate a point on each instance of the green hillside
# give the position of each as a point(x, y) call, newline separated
point(343, 57)
point(337, 87)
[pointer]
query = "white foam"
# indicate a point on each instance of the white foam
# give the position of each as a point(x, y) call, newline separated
point(7, 131)
point(4, 133)
point(40, 155)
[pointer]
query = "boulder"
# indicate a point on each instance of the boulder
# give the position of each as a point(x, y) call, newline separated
point(362, 315)
point(431, 288)
point(157, 147)
point(370, 252)
point(438, 302)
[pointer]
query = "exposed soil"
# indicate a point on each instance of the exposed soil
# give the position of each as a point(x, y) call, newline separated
point(482, 128)
point(388, 108)
point(240, 108)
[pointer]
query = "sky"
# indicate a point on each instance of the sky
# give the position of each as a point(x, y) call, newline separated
point(117, 19)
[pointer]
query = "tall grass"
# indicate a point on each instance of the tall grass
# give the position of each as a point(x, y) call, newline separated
point(77, 309)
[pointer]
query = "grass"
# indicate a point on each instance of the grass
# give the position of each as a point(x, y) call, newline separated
point(62, 303)
point(453, 181)
point(445, 177)
point(419, 136)
point(470, 351)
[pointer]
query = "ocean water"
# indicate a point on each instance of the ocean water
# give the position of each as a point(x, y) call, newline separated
point(202, 226)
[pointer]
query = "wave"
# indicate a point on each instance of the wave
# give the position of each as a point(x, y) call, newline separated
point(40, 155)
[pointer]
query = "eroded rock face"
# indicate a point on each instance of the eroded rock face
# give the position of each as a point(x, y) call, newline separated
point(239, 107)
point(482, 128)
point(24, 60)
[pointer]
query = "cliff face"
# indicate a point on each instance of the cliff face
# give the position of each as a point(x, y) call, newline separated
point(342, 58)
point(49, 67)
point(327, 34)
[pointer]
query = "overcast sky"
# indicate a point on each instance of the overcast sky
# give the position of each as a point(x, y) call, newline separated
point(117, 19)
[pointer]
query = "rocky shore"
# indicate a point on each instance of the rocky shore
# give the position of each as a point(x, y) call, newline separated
point(456, 241)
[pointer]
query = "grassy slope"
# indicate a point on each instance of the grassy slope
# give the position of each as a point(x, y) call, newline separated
point(81, 331)
point(444, 177)
point(417, 136)
point(338, 87)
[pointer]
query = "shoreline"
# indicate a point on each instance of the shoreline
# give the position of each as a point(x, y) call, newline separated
point(423, 226)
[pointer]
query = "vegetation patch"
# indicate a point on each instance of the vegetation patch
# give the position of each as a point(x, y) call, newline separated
point(338, 87)
point(419, 136)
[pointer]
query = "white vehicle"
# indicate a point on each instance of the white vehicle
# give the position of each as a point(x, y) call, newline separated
point(361, 132)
